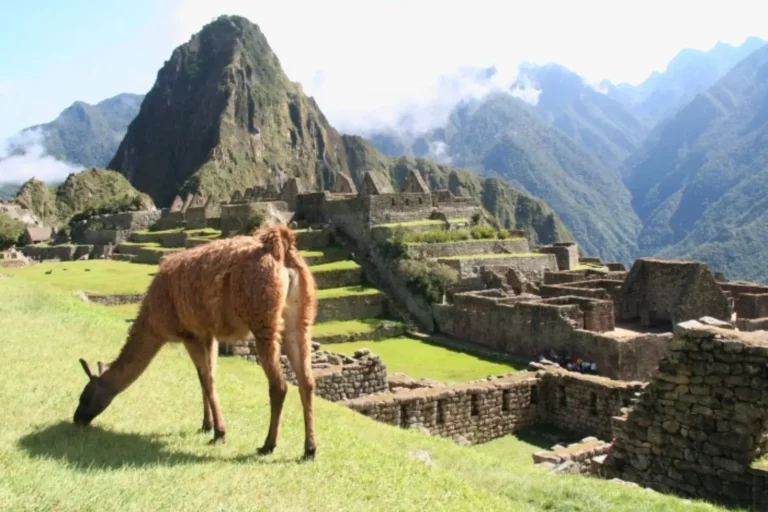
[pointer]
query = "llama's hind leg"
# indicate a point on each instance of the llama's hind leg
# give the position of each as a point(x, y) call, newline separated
point(297, 342)
point(268, 350)
point(201, 353)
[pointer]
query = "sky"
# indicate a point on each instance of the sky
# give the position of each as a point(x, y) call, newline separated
point(365, 62)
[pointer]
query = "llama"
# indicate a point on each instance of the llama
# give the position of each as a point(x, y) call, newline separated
point(219, 292)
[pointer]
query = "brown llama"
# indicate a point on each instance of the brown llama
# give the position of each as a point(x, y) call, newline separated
point(219, 292)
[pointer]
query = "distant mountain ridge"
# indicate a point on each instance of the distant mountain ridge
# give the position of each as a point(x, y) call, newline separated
point(88, 135)
point(700, 182)
point(689, 73)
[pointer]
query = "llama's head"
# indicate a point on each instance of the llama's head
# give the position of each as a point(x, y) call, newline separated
point(95, 397)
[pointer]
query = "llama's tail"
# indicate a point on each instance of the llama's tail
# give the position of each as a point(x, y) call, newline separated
point(278, 240)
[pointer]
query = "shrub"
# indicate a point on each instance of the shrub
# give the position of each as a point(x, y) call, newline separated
point(504, 234)
point(255, 221)
point(476, 217)
point(395, 246)
point(10, 231)
point(436, 236)
point(483, 232)
point(427, 278)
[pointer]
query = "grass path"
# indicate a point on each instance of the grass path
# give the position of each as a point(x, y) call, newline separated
point(144, 453)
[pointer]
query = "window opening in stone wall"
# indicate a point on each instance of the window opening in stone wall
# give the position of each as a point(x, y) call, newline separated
point(393, 201)
point(407, 202)
point(505, 396)
point(441, 412)
point(420, 200)
point(534, 395)
point(593, 403)
point(475, 411)
point(563, 399)
point(403, 416)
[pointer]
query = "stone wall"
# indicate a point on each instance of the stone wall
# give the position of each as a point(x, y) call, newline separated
point(116, 300)
point(350, 307)
point(567, 254)
point(337, 377)
point(751, 305)
point(525, 326)
point(532, 267)
point(401, 207)
point(65, 252)
point(497, 406)
point(442, 250)
point(702, 420)
point(479, 411)
point(112, 228)
point(662, 293)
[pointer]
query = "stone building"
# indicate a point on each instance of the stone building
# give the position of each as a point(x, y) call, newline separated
point(661, 293)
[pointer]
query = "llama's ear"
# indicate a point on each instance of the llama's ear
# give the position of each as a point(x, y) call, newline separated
point(102, 368)
point(86, 368)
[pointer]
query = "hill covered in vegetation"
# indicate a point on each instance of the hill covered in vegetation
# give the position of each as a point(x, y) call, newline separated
point(700, 182)
point(89, 191)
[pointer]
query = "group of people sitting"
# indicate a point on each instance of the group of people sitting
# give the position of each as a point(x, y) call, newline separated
point(570, 362)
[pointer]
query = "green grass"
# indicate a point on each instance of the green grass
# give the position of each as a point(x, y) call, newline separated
point(104, 277)
point(191, 232)
point(418, 359)
point(141, 244)
point(143, 453)
point(494, 256)
point(336, 265)
point(365, 325)
point(427, 222)
point(346, 291)
point(123, 311)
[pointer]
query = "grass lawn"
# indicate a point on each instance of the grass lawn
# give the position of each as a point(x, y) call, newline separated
point(336, 265)
point(494, 256)
point(123, 311)
point(350, 326)
point(345, 291)
point(144, 453)
point(418, 359)
point(104, 277)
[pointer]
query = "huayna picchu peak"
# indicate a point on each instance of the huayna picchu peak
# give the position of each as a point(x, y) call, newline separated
point(222, 116)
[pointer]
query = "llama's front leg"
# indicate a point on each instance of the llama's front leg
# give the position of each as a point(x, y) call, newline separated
point(269, 357)
point(199, 351)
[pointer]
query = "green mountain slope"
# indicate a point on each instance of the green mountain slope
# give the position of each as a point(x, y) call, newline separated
point(689, 73)
point(222, 116)
point(501, 136)
point(88, 135)
point(701, 181)
point(597, 122)
point(89, 190)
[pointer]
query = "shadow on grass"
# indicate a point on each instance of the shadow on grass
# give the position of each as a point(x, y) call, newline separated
point(94, 448)
point(546, 436)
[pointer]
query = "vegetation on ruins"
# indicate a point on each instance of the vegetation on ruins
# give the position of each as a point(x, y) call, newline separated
point(10, 230)
point(435, 236)
point(427, 278)
point(255, 221)
point(81, 195)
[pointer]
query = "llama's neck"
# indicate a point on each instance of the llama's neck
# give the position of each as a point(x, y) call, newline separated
point(139, 350)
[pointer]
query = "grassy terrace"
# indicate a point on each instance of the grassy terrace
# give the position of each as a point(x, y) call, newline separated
point(97, 276)
point(366, 325)
point(336, 265)
point(494, 256)
point(413, 223)
point(144, 453)
point(418, 359)
point(346, 291)
point(190, 232)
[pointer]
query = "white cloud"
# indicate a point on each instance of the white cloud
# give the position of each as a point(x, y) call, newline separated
point(525, 90)
point(23, 157)
point(374, 63)
point(439, 151)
